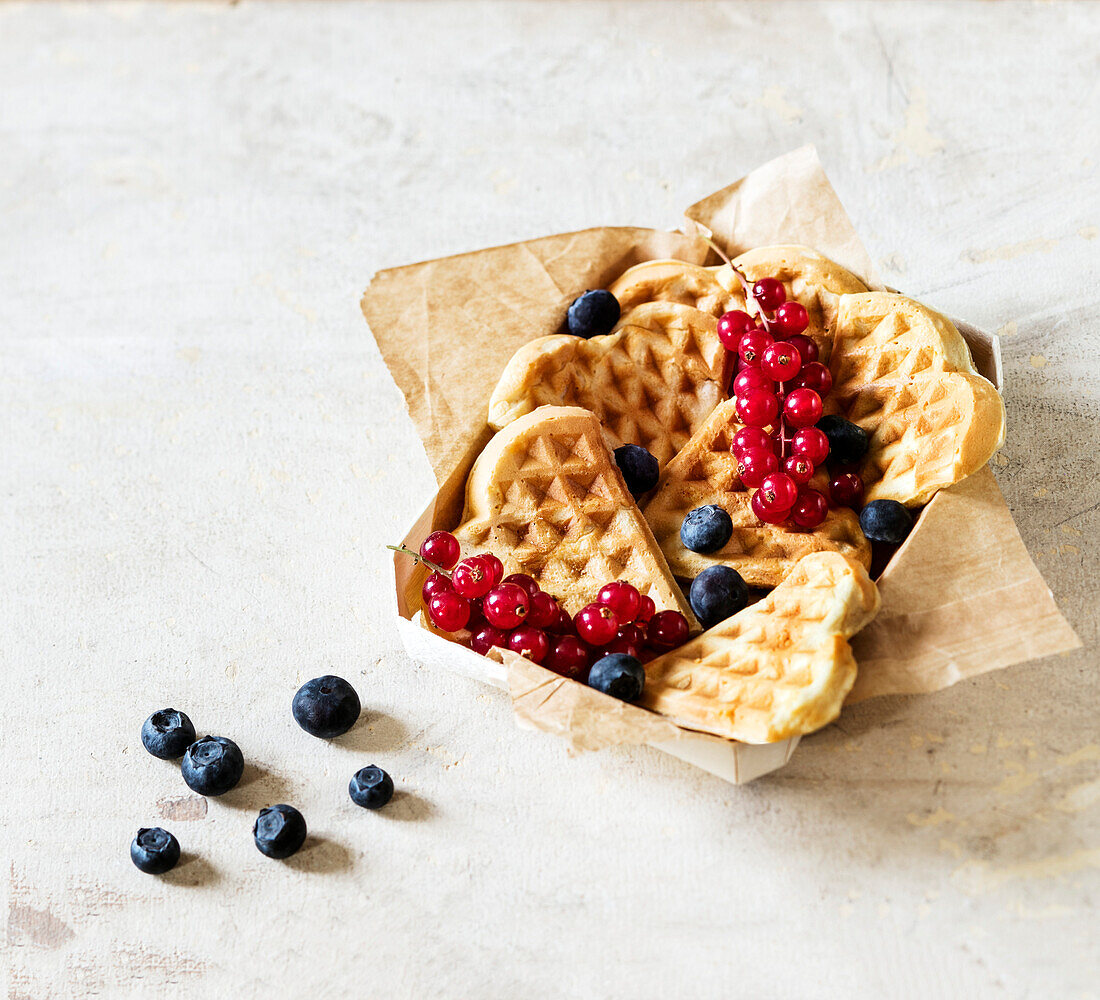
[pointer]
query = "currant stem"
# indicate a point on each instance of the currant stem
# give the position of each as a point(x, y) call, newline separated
point(434, 567)
point(746, 288)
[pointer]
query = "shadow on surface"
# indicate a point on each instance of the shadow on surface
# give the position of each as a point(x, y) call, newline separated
point(321, 856)
point(258, 787)
point(373, 733)
point(192, 870)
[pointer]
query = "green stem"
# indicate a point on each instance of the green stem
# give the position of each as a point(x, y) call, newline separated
point(436, 568)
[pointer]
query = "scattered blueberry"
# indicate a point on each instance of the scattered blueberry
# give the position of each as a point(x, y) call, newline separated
point(154, 850)
point(639, 468)
point(886, 521)
point(212, 765)
point(167, 733)
point(370, 787)
point(848, 442)
point(326, 706)
point(279, 831)
point(618, 674)
point(706, 529)
point(593, 314)
point(716, 594)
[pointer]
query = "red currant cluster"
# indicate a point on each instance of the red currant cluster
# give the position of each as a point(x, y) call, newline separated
point(514, 613)
point(778, 389)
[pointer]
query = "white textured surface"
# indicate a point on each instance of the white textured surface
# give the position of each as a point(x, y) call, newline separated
point(203, 454)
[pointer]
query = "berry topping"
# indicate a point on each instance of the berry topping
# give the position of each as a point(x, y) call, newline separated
point(496, 567)
point(769, 293)
point(732, 326)
point(779, 491)
point(441, 548)
point(751, 378)
point(667, 630)
point(524, 581)
point(752, 346)
point(632, 634)
point(563, 625)
point(807, 349)
point(167, 734)
point(791, 318)
point(596, 624)
point(486, 637)
point(754, 464)
point(328, 706)
point(472, 577)
point(716, 594)
point(212, 765)
point(811, 443)
point(814, 376)
point(620, 675)
point(436, 583)
point(802, 408)
point(799, 468)
point(646, 610)
point(780, 361)
point(810, 509)
point(886, 521)
point(543, 611)
point(568, 657)
point(751, 437)
point(847, 441)
point(449, 611)
point(620, 645)
point(622, 598)
point(529, 642)
point(370, 787)
point(769, 515)
point(639, 468)
point(154, 850)
point(506, 606)
point(279, 831)
point(593, 314)
point(706, 529)
point(757, 408)
point(846, 490)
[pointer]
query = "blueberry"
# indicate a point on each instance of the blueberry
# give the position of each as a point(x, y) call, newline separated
point(716, 594)
point(639, 468)
point(212, 765)
point(167, 733)
point(618, 674)
point(279, 831)
point(370, 787)
point(886, 521)
point(847, 441)
point(706, 529)
point(154, 850)
point(593, 314)
point(326, 706)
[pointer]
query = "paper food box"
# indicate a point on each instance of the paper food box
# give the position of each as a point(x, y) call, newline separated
point(960, 597)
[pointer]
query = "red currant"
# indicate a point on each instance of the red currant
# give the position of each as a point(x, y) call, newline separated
point(543, 612)
point(435, 583)
point(769, 515)
point(496, 567)
point(791, 318)
point(757, 408)
point(448, 610)
point(477, 614)
point(799, 468)
point(524, 581)
point(750, 437)
point(751, 378)
point(441, 548)
point(596, 624)
point(563, 624)
point(568, 657)
point(472, 577)
point(633, 634)
point(646, 610)
point(810, 509)
point(780, 361)
point(846, 490)
point(811, 444)
point(754, 464)
point(779, 491)
point(815, 376)
point(622, 598)
point(802, 408)
point(506, 605)
point(807, 349)
point(618, 645)
point(486, 637)
point(769, 293)
point(732, 326)
point(529, 642)
point(667, 629)
point(752, 346)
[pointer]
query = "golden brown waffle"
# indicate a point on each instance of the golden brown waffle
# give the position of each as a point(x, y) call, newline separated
point(705, 472)
point(780, 668)
point(675, 281)
point(903, 373)
point(652, 381)
point(546, 498)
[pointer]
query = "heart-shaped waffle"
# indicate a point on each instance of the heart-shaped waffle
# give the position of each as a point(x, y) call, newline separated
point(780, 668)
point(651, 381)
point(547, 499)
point(705, 472)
